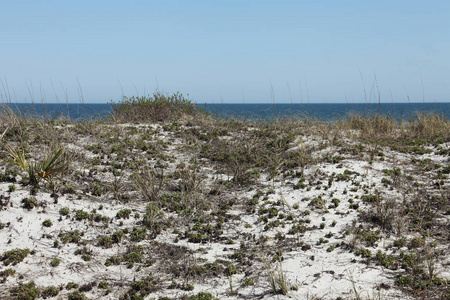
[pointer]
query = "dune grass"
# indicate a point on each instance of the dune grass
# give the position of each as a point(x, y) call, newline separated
point(155, 108)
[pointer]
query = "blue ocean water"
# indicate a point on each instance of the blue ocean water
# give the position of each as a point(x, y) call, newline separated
point(327, 111)
point(323, 111)
point(72, 111)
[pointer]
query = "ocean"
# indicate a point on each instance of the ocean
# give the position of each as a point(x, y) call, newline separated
point(322, 111)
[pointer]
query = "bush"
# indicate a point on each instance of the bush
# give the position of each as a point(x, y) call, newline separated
point(55, 262)
point(105, 241)
point(123, 214)
point(64, 211)
point(27, 291)
point(140, 289)
point(29, 203)
point(76, 295)
point(81, 215)
point(14, 256)
point(47, 223)
point(156, 108)
point(50, 291)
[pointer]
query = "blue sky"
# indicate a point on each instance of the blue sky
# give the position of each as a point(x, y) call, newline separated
point(226, 51)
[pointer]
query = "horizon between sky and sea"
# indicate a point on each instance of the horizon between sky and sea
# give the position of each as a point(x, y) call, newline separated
point(251, 111)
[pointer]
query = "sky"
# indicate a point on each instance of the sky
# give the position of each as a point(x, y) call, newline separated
point(225, 51)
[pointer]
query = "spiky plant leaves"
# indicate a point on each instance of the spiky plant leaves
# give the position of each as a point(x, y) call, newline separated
point(56, 162)
point(18, 157)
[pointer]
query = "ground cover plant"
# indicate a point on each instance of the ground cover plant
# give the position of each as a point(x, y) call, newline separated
point(163, 201)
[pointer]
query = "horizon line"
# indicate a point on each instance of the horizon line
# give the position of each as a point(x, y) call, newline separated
point(239, 103)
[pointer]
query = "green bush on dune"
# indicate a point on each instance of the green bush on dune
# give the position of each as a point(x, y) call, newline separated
point(155, 108)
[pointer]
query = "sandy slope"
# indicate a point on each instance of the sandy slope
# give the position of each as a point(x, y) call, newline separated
point(312, 269)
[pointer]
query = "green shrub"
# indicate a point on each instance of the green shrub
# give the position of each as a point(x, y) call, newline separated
point(71, 285)
point(141, 288)
point(158, 108)
point(105, 241)
point(14, 256)
point(7, 272)
point(11, 188)
point(64, 211)
point(29, 203)
point(81, 215)
point(47, 223)
point(50, 291)
point(202, 296)
point(70, 237)
point(76, 295)
point(96, 189)
point(27, 291)
point(123, 214)
point(248, 281)
point(55, 262)
point(117, 236)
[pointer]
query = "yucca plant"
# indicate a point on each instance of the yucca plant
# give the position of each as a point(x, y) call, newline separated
point(54, 163)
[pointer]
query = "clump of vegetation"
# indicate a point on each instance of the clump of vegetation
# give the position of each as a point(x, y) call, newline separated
point(154, 108)
point(55, 262)
point(54, 163)
point(123, 214)
point(49, 292)
point(70, 237)
point(64, 211)
point(76, 295)
point(14, 256)
point(29, 203)
point(27, 291)
point(47, 223)
point(141, 288)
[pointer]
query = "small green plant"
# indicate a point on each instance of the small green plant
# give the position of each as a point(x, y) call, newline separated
point(331, 248)
point(103, 284)
point(105, 241)
point(81, 215)
point(96, 189)
point(64, 211)
point(29, 203)
point(117, 236)
point(50, 291)
point(11, 188)
point(364, 252)
point(141, 288)
point(7, 272)
point(47, 223)
point(248, 282)
point(85, 253)
point(71, 285)
point(55, 262)
point(123, 214)
point(76, 295)
point(202, 296)
point(70, 237)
